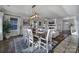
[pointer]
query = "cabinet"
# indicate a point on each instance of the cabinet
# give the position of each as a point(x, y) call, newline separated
point(52, 24)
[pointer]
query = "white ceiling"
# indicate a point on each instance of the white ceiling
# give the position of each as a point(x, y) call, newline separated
point(44, 10)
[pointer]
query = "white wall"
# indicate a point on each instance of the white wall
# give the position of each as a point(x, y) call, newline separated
point(75, 26)
point(1, 30)
point(59, 24)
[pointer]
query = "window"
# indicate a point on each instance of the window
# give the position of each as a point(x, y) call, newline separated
point(13, 22)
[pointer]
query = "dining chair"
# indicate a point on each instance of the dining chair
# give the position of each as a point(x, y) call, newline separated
point(32, 44)
point(20, 44)
point(44, 42)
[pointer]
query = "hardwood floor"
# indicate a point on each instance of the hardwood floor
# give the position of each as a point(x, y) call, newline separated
point(7, 46)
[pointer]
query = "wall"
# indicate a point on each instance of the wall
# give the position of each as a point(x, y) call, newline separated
point(75, 27)
point(1, 31)
point(73, 20)
point(59, 24)
point(78, 30)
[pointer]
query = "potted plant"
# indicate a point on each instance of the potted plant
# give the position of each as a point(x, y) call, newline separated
point(6, 29)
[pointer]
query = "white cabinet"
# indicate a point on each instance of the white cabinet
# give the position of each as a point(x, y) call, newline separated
point(52, 24)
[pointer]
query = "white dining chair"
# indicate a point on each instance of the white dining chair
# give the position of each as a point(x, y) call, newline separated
point(19, 44)
point(44, 42)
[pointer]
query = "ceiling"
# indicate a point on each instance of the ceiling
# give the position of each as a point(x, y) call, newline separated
point(44, 10)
